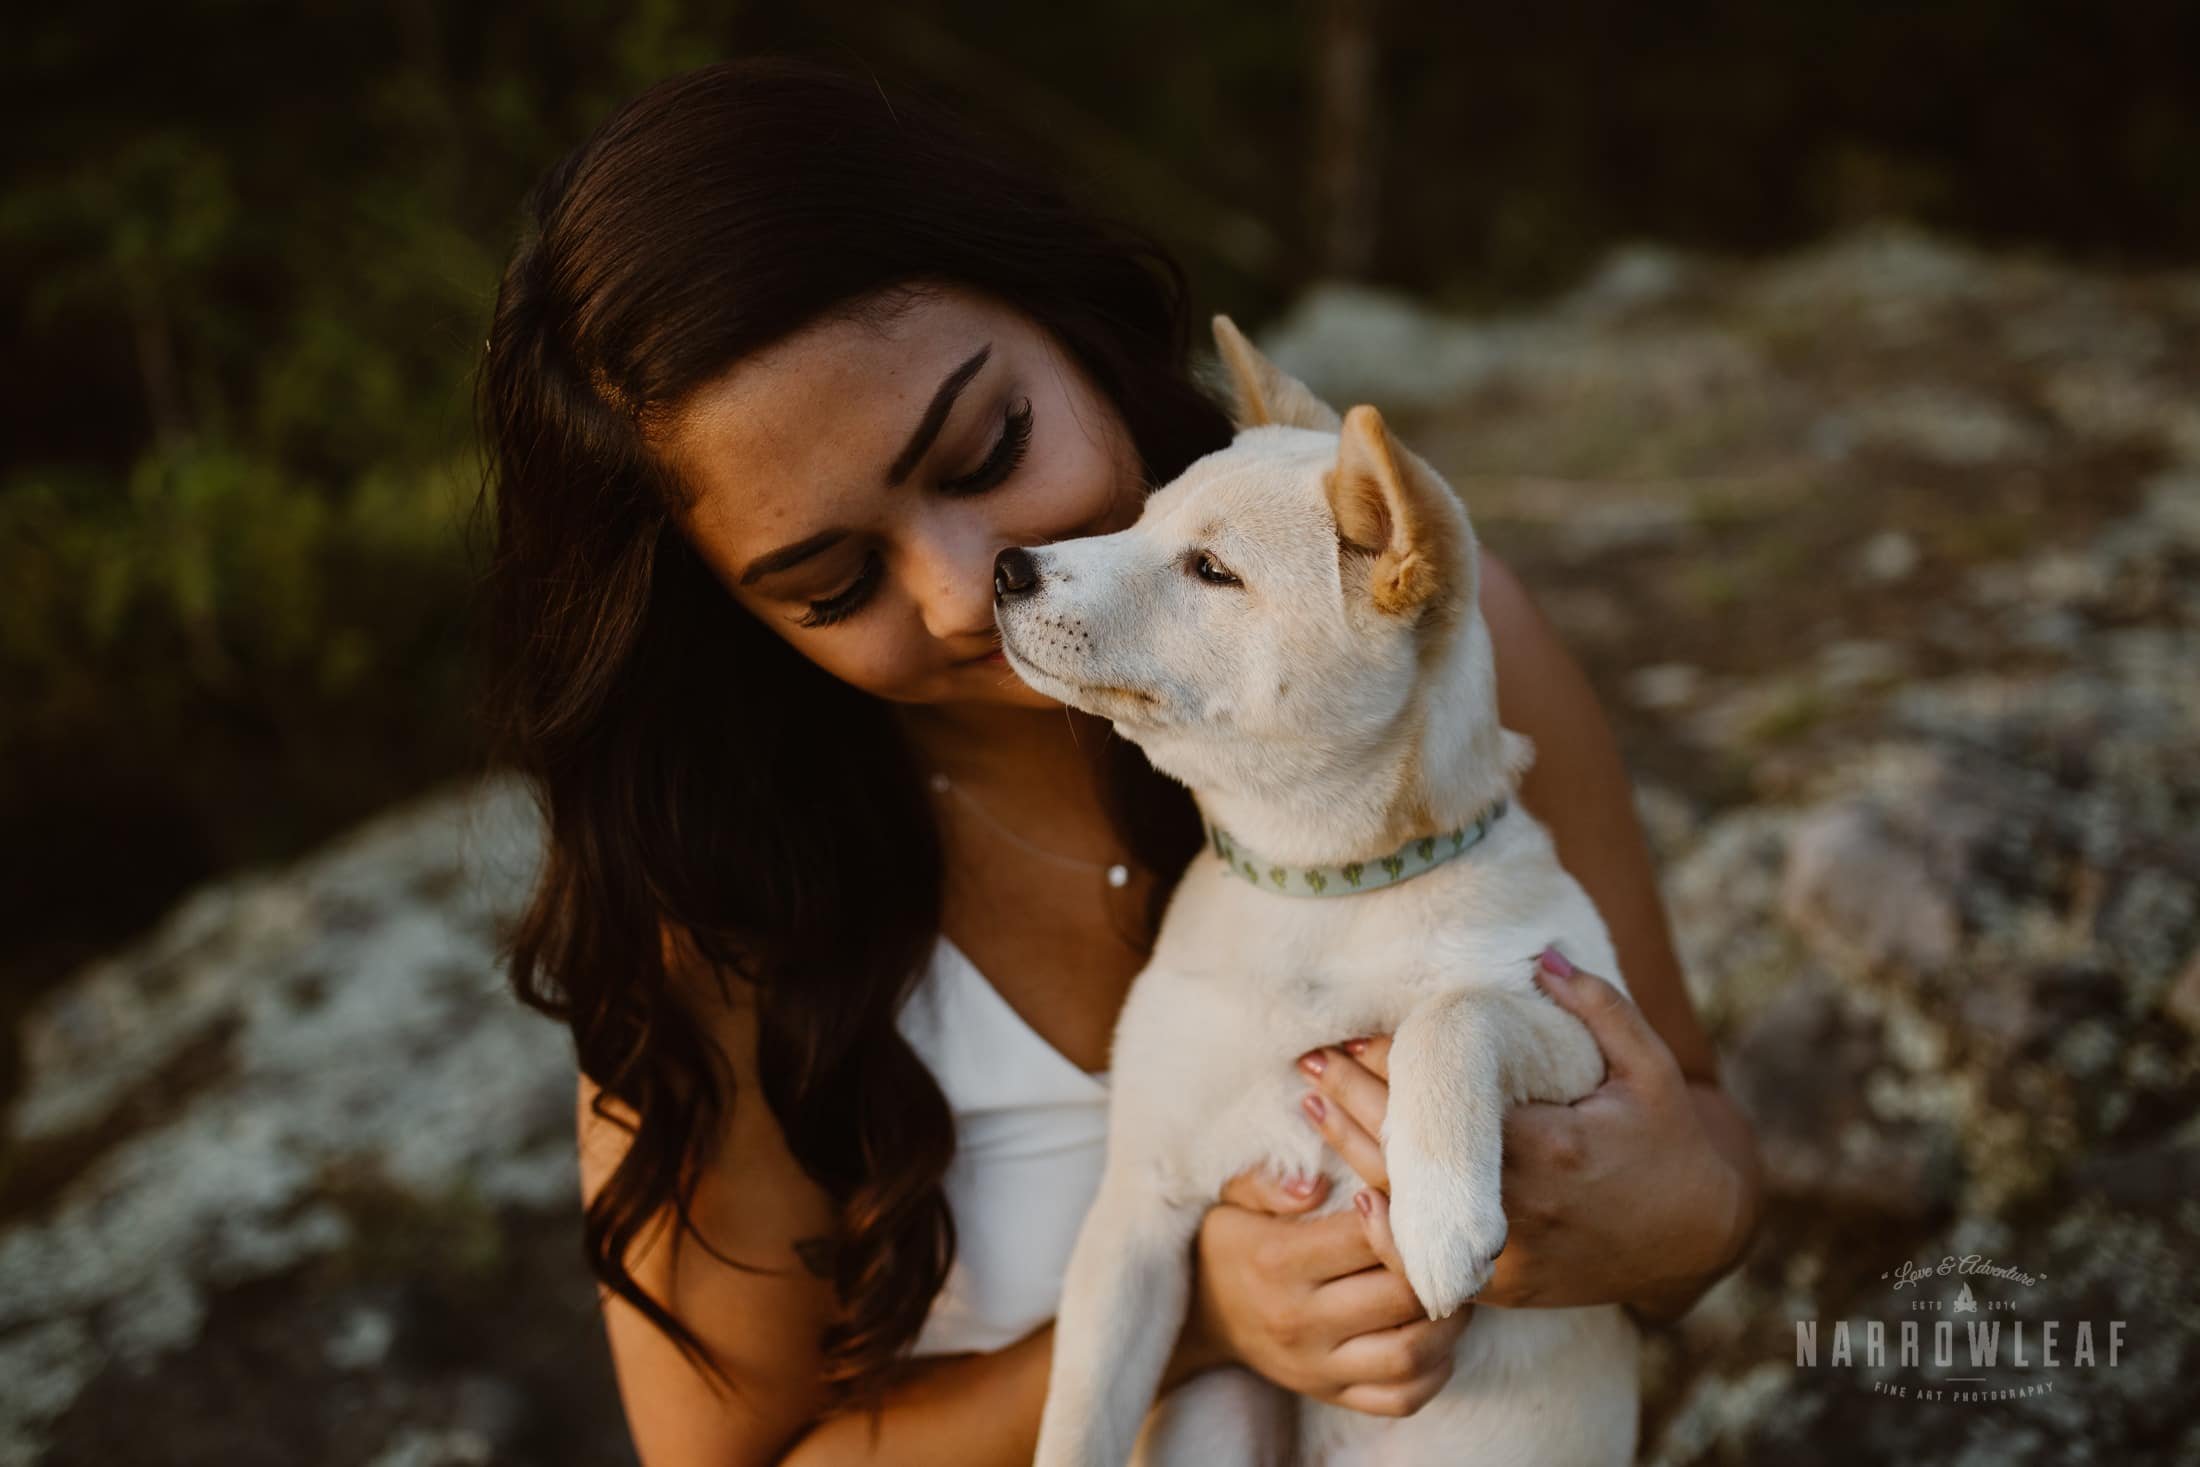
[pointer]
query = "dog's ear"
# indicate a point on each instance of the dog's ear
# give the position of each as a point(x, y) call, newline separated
point(1378, 493)
point(1264, 393)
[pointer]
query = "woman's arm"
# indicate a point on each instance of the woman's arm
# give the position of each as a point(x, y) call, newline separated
point(754, 1203)
point(1579, 788)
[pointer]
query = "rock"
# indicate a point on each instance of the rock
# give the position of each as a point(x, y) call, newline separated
point(1937, 421)
point(1664, 686)
point(2182, 1002)
point(1888, 556)
point(2017, 1013)
point(362, 1340)
point(1858, 892)
point(422, 1447)
point(1884, 271)
point(1669, 821)
point(1800, 1070)
point(1632, 277)
point(1723, 899)
point(1352, 343)
point(1849, 668)
point(266, 1087)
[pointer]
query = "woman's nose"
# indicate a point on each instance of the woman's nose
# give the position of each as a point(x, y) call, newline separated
point(955, 562)
point(1015, 574)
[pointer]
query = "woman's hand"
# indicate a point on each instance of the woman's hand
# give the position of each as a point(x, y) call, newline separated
point(1621, 1197)
point(1318, 1305)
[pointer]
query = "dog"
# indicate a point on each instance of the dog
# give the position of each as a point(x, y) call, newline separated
point(1291, 629)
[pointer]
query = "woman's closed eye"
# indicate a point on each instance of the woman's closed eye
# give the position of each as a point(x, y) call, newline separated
point(1007, 453)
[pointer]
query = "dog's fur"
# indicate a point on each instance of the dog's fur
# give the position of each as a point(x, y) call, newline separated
point(1337, 703)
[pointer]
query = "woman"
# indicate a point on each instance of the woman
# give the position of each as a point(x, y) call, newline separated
point(779, 368)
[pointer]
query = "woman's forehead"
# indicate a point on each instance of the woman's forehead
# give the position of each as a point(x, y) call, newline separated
point(824, 412)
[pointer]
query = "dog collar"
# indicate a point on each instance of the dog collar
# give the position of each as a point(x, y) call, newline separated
point(1415, 858)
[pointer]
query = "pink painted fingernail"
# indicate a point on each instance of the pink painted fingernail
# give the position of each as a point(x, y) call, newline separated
point(1365, 1203)
point(1554, 962)
point(1314, 1108)
point(1355, 1046)
point(1312, 1062)
point(1299, 1186)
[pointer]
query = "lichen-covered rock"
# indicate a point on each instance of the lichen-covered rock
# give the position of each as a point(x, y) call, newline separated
point(301, 1122)
point(1855, 888)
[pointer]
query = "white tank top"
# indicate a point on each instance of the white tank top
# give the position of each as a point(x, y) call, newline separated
point(1030, 1140)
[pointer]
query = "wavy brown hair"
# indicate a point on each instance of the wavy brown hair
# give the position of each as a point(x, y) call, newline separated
point(705, 785)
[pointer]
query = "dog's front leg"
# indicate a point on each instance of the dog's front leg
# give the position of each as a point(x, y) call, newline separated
point(1123, 1304)
point(1456, 1063)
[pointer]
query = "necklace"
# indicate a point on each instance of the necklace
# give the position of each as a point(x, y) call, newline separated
point(1116, 874)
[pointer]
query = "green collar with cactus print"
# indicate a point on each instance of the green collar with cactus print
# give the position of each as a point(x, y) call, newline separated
point(1414, 858)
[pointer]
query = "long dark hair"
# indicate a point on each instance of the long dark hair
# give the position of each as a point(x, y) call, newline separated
point(705, 785)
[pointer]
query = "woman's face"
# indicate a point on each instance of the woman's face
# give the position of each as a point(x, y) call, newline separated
point(853, 483)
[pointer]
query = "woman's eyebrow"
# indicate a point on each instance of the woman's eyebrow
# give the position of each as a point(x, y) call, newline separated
point(928, 428)
point(943, 402)
point(774, 561)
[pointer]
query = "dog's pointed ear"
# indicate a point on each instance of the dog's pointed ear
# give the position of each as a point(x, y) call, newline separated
point(1264, 393)
point(1378, 494)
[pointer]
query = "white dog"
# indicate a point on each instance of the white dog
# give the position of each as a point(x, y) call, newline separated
point(1291, 629)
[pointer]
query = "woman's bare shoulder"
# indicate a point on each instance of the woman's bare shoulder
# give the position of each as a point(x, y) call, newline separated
point(750, 1183)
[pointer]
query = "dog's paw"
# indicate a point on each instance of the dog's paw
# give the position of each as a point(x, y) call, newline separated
point(1449, 1231)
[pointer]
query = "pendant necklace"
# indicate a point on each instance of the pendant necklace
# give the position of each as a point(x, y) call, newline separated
point(1116, 874)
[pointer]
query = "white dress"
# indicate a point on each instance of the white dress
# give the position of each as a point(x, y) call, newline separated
point(1030, 1140)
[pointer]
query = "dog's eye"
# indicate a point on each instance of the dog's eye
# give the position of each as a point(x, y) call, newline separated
point(1210, 570)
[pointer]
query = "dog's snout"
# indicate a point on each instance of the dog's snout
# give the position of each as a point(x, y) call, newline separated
point(1015, 573)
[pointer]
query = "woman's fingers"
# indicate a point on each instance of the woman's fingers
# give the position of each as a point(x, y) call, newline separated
point(1397, 1371)
point(1414, 1355)
point(1343, 1080)
point(1318, 1249)
point(1373, 1053)
point(1347, 1105)
point(1359, 1303)
point(1394, 1401)
point(1374, 1212)
point(1258, 1189)
point(1632, 1049)
point(1372, 1299)
point(1345, 1135)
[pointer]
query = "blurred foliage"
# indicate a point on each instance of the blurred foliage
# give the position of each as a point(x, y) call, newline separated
point(247, 251)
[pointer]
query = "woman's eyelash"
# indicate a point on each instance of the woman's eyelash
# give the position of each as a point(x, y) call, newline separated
point(824, 613)
point(1008, 452)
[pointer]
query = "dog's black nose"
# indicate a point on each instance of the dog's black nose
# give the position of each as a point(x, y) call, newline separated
point(1015, 573)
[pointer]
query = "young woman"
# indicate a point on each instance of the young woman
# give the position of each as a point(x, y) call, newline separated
point(840, 913)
